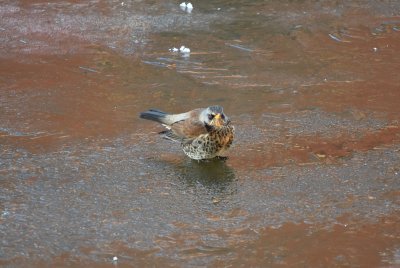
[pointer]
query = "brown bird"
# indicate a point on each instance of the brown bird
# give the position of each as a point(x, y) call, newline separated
point(204, 133)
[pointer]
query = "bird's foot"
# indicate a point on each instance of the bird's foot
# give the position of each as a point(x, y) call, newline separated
point(222, 158)
point(208, 160)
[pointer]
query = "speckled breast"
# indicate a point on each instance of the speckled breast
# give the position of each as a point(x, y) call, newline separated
point(210, 145)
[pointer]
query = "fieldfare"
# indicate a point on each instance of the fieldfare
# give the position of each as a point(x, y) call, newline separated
point(204, 133)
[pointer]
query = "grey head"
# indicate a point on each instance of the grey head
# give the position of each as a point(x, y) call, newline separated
point(214, 116)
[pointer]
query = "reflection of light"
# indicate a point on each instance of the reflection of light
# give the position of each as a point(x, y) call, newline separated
point(186, 7)
point(184, 49)
point(189, 8)
point(183, 6)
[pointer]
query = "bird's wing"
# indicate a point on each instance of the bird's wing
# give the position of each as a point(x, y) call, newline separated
point(169, 135)
point(174, 118)
point(188, 129)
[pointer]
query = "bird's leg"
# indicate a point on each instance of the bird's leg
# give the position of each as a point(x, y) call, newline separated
point(222, 158)
point(203, 160)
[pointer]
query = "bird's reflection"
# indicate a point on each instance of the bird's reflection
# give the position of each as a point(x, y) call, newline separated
point(214, 174)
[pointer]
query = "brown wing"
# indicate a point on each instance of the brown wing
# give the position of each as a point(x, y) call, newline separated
point(189, 128)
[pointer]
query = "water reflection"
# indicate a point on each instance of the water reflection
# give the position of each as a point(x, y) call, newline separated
point(215, 176)
point(213, 173)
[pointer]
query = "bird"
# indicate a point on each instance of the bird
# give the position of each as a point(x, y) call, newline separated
point(204, 133)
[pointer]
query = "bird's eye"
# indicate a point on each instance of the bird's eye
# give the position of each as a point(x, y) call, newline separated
point(222, 116)
point(210, 116)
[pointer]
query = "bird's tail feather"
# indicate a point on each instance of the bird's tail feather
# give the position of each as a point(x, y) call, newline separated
point(154, 115)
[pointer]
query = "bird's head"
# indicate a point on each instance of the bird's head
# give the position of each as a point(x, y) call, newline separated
point(214, 116)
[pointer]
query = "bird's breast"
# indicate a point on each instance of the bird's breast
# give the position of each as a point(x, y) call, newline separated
point(224, 135)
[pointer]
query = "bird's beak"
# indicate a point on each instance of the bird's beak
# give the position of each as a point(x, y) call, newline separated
point(218, 121)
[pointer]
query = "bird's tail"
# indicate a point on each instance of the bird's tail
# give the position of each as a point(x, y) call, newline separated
point(155, 115)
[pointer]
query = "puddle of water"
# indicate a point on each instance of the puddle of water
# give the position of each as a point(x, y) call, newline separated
point(313, 177)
